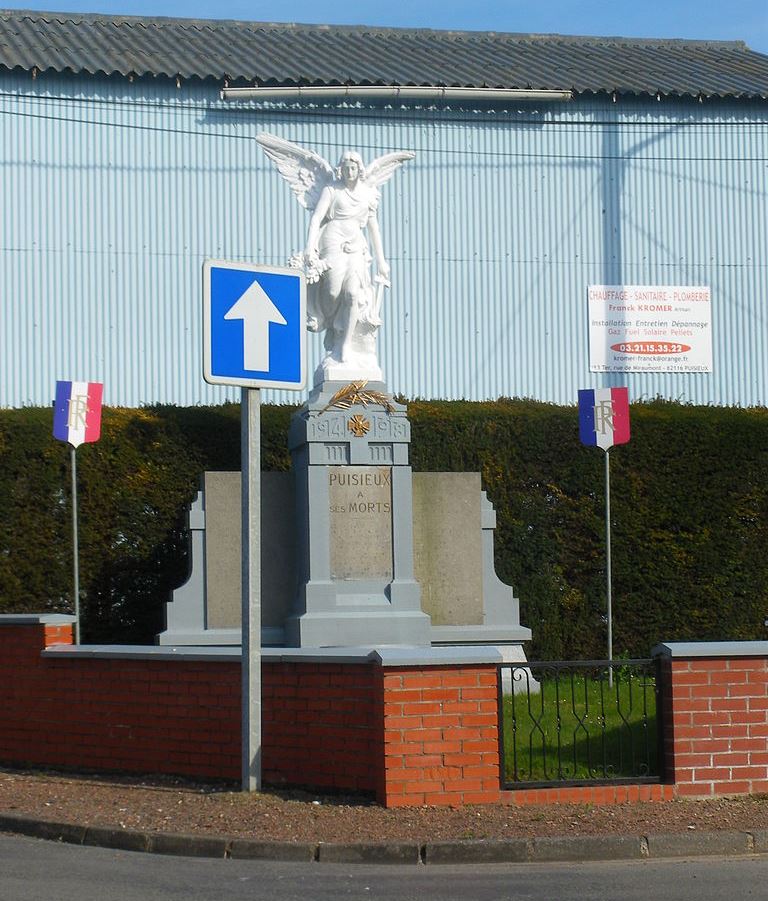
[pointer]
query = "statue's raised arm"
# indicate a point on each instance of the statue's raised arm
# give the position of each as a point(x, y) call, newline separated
point(343, 299)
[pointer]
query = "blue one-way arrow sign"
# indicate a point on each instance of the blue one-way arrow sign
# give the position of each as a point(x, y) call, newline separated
point(254, 326)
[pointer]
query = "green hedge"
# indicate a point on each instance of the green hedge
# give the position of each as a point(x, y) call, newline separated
point(689, 505)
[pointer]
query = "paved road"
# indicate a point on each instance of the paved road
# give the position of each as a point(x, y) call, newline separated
point(32, 870)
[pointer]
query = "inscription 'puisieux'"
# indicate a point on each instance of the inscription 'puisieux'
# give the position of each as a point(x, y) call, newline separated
point(361, 480)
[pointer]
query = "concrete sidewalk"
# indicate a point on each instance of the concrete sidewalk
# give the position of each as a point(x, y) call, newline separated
point(519, 850)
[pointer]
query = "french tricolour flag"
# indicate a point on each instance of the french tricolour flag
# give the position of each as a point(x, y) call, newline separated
point(77, 412)
point(604, 416)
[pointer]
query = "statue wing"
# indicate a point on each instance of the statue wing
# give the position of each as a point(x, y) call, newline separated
point(305, 171)
point(384, 167)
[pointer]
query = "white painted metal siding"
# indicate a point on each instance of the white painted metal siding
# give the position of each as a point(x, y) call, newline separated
point(114, 193)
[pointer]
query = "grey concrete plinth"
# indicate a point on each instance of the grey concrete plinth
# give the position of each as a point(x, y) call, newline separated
point(316, 630)
point(354, 515)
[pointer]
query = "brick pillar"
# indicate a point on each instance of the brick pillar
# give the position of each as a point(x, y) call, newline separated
point(58, 634)
point(716, 717)
point(440, 735)
point(30, 633)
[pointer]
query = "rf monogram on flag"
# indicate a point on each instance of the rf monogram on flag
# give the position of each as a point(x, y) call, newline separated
point(604, 417)
point(77, 412)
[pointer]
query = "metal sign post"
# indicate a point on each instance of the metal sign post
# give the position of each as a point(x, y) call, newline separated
point(254, 336)
point(250, 449)
point(604, 422)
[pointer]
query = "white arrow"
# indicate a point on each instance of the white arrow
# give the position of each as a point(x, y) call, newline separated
point(256, 310)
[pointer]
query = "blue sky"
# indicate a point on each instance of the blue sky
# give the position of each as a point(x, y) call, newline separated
point(745, 20)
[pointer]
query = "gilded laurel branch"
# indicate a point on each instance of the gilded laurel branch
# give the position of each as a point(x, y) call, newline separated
point(355, 393)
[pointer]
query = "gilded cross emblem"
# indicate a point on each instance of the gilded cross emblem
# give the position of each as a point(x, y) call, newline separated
point(358, 425)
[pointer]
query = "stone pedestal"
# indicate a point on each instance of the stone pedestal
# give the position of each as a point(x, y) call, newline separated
point(354, 505)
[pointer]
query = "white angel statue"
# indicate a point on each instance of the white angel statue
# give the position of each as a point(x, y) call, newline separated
point(342, 298)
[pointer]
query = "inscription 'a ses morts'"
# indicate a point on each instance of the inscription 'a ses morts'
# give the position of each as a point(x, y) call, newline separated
point(360, 517)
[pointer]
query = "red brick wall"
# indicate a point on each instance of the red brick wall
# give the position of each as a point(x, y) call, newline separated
point(440, 736)
point(413, 735)
point(717, 726)
point(152, 716)
point(590, 794)
point(183, 717)
point(319, 726)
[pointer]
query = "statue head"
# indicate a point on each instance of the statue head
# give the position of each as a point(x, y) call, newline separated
point(350, 156)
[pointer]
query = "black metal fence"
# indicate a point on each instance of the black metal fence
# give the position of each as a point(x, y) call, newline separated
point(571, 723)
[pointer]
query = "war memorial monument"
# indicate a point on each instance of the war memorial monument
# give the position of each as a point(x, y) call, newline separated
point(357, 550)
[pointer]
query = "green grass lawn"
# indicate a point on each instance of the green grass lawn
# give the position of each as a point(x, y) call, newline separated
point(577, 727)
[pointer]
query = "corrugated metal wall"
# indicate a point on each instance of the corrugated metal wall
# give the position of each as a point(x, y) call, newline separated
point(113, 193)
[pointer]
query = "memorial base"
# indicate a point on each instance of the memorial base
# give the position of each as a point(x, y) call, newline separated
point(356, 548)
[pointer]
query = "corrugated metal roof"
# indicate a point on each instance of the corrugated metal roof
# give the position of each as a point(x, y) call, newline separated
point(284, 54)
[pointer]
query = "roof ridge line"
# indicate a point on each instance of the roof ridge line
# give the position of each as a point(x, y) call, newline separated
point(47, 15)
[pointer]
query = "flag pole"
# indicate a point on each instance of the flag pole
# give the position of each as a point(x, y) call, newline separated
point(75, 548)
point(76, 420)
point(604, 422)
point(608, 563)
